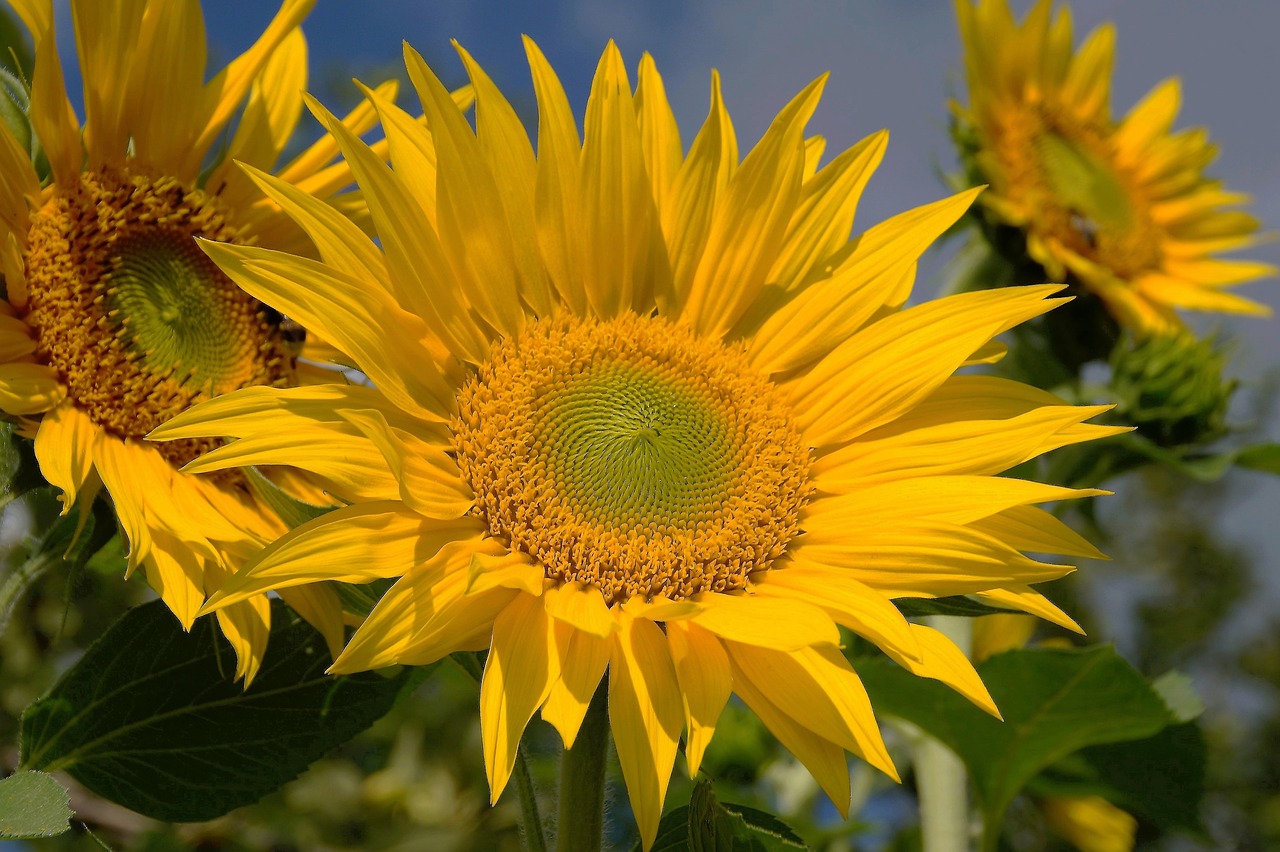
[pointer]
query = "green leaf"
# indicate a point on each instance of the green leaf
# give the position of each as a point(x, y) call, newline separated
point(1160, 779)
point(33, 804)
point(59, 546)
point(291, 510)
point(150, 719)
point(709, 825)
point(1054, 701)
point(1263, 457)
point(958, 605)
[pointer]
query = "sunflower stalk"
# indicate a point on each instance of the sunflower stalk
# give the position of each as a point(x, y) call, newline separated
point(941, 782)
point(581, 816)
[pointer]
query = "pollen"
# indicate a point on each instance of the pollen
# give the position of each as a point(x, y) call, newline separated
point(136, 320)
point(633, 456)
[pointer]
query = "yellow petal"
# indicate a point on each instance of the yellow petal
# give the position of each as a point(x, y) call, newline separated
point(691, 204)
point(1036, 531)
point(430, 482)
point(702, 668)
point(354, 544)
point(222, 95)
point(926, 558)
point(824, 216)
point(176, 574)
point(819, 690)
point(943, 661)
point(427, 615)
point(582, 607)
point(617, 219)
point(823, 758)
point(414, 254)
point(51, 114)
point(885, 369)
point(247, 626)
point(556, 186)
point(348, 467)
point(781, 623)
point(748, 228)
point(958, 499)
point(267, 124)
point(659, 133)
point(523, 663)
point(474, 232)
point(645, 716)
point(504, 144)
point(968, 447)
point(848, 602)
point(64, 448)
point(511, 570)
point(364, 322)
point(585, 659)
point(169, 55)
point(1023, 598)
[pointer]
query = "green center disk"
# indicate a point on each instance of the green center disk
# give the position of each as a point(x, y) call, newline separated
point(178, 308)
point(635, 448)
point(1085, 183)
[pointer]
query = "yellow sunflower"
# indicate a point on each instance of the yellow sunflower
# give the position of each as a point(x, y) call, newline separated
point(1124, 206)
point(114, 319)
point(649, 413)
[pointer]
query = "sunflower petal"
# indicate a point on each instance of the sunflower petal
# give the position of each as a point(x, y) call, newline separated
point(645, 716)
point(523, 664)
point(702, 668)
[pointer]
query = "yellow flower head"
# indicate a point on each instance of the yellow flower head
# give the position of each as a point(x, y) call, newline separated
point(1123, 206)
point(644, 412)
point(114, 319)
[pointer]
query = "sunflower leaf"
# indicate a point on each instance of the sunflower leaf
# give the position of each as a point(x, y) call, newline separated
point(957, 605)
point(709, 825)
point(1055, 702)
point(150, 718)
point(33, 804)
point(1159, 779)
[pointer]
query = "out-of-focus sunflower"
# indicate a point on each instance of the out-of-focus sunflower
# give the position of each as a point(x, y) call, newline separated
point(682, 429)
point(1124, 206)
point(114, 319)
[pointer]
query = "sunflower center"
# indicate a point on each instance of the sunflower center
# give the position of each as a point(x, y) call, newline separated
point(136, 320)
point(1075, 192)
point(632, 456)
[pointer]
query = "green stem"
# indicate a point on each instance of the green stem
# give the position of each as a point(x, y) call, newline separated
point(581, 823)
point(530, 819)
point(19, 581)
point(940, 776)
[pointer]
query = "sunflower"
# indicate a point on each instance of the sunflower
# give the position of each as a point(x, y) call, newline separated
point(648, 413)
point(1124, 207)
point(114, 319)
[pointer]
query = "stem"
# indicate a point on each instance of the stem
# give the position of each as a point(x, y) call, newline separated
point(581, 824)
point(19, 581)
point(940, 777)
point(530, 819)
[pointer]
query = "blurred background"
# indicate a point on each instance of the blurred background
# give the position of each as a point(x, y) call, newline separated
point(1195, 580)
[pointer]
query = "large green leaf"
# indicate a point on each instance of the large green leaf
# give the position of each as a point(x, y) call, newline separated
point(709, 825)
point(1159, 778)
point(150, 719)
point(33, 804)
point(1054, 701)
